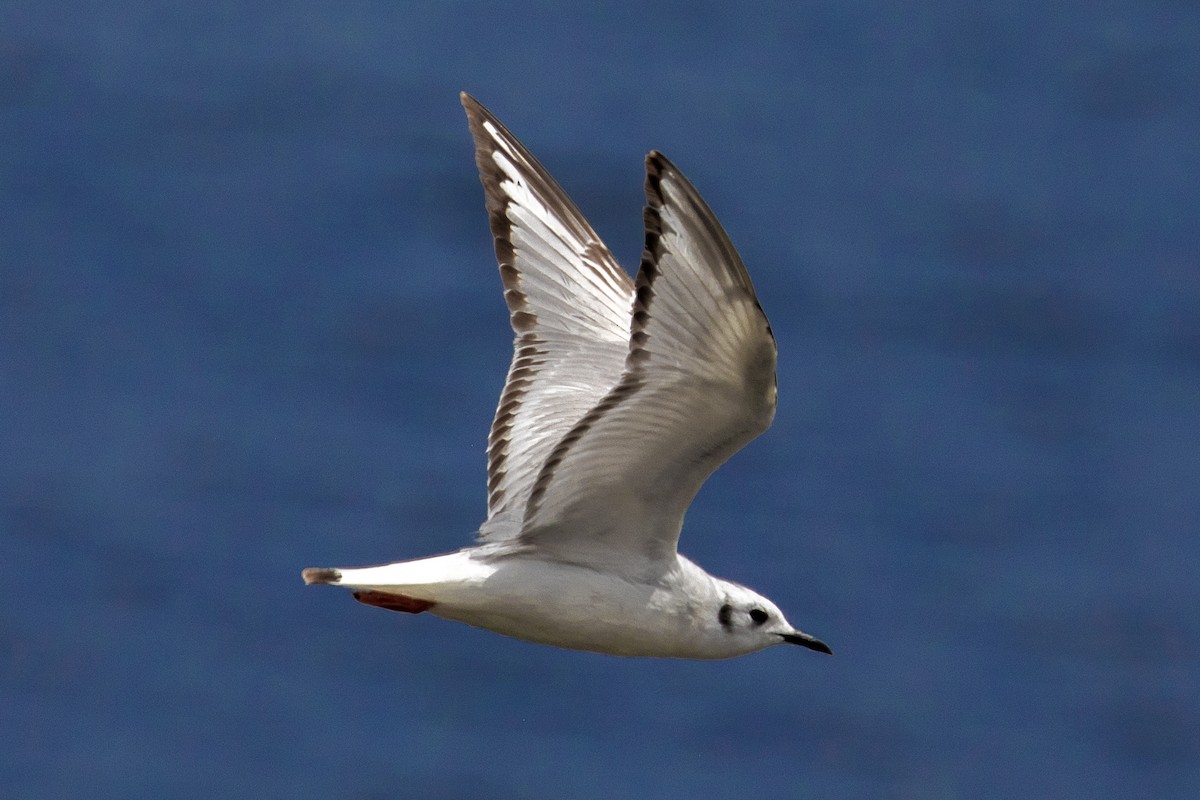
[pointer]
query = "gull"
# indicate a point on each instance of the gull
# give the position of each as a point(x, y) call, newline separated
point(622, 398)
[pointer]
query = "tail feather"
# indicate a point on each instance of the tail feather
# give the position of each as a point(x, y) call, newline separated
point(321, 575)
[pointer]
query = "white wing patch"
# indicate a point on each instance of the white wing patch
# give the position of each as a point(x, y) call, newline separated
point(569, 304)
point(621, 399)
point(699, 383)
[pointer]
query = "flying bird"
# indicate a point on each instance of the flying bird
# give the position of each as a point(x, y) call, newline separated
point(622, 397)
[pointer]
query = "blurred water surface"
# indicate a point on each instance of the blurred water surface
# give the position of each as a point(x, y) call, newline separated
point(250, 322)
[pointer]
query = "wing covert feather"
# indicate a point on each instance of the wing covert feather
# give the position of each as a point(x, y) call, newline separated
point(569, 303)
point(698, 384)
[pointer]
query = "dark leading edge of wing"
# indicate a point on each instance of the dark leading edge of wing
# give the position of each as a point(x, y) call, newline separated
point(569, 304)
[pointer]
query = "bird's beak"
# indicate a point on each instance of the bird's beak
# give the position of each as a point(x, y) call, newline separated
point(804, 640)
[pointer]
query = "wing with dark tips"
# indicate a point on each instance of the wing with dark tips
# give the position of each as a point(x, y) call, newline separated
point(698, 384)
point(569, 303)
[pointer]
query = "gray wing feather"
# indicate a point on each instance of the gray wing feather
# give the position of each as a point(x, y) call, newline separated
point(569, 303)
point(698, 384)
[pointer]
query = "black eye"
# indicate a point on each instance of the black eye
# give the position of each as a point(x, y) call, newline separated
point(758, 615)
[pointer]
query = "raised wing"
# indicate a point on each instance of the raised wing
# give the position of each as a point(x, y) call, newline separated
point(570, 305)
point(699, 383)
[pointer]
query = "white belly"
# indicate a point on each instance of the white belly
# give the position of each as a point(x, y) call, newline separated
point(556, 604)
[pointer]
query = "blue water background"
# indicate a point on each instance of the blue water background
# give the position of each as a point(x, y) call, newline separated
point(250, 322)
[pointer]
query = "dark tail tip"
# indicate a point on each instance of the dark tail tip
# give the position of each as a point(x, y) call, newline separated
point(321, 575)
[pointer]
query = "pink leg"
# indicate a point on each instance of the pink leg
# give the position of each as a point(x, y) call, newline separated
point(394, 602)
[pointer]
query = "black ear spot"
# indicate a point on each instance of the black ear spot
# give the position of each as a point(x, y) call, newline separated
point(725, 616)
point(758, 616)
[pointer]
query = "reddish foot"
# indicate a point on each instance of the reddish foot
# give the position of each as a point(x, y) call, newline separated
point(394, 602)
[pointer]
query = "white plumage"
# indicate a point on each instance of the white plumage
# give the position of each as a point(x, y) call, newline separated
point(621, 399)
